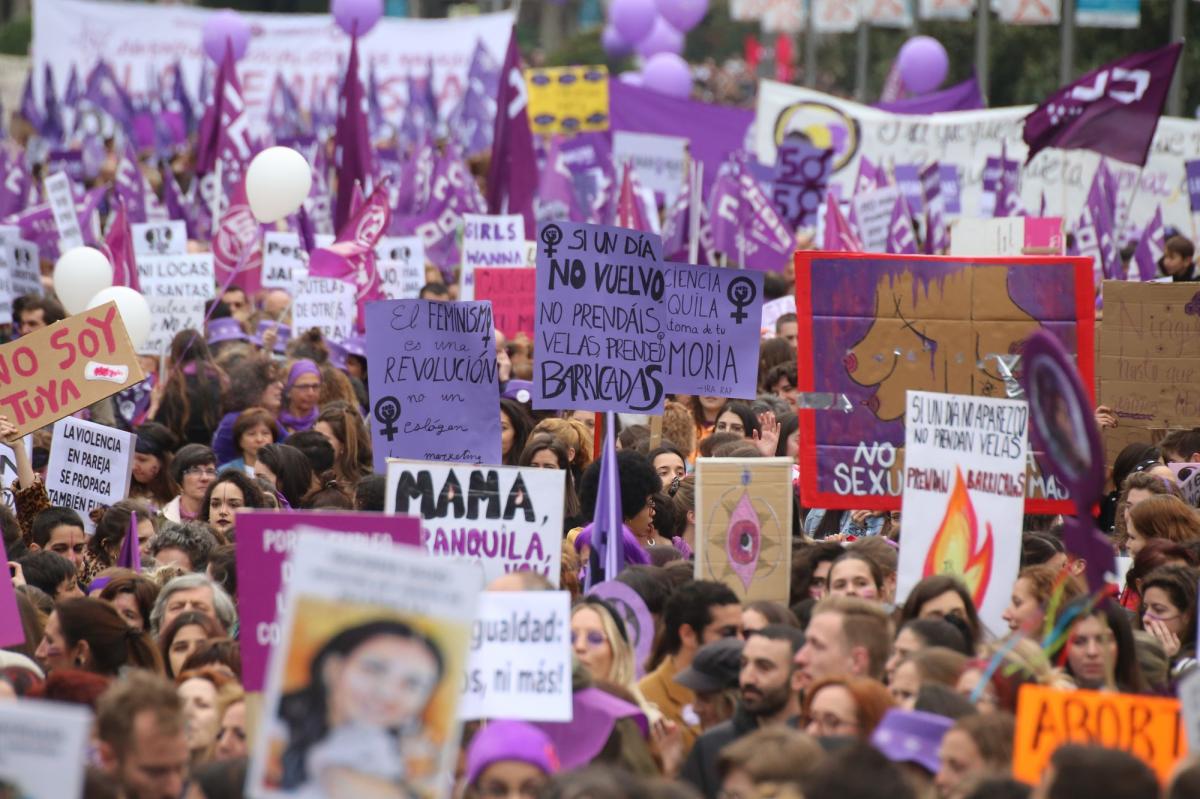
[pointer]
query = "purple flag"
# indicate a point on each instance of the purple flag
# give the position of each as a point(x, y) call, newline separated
point(12, 632)
point(839, 236)
point(1008, 194)
point(224, 131)
point(869, 176)
point(73, 93)
point(900, 238)
point(745, 226)
point(52, 123)
point(378, 124)
point(512, 174)
point(283, 111)
point(908, 180)
point(15, 182)
point(801, 175)
point(556, 199)
point(964, 96)
point(351, 140)
point(131, 552)
point(937, 238)
point(179, 101)
point(351, 257)
point(106, 93)
point(676, 227)
point(1112, 110)
point(29, 106)
point(118, 244)
point(1193, 184)
point(1095, 231)
point(1150, 247)
point(608, 534)
point(131, 186)
point(629, 207)
point(473, 120)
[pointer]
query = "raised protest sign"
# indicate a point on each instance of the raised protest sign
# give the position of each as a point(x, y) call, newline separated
point(490, 242)
point(520, 661)
point(43, 748)
point(264, 540)
point(168, 316)
point(285, 263)
point(873, 327)
point(400, 262)
point(435, 390)
point(772, 310)
point(1149, 356)
point(503, 518)
point(406, 615)
point(964, 491)
point(599, 327)
point(567, 99)
point(712, 323)
point(744, 525)
point(1006, 235)
point(1147, 727)
point(328, 304)
point(62, 205)
point(801, 175)
point(1188, 475)
point(873, 210)
point(180, 277)
point(159, 238)
point(511, 293)
point(90, 465)
point(660, 162)
point(8, 471)
point(20, 260)
point(63, 368)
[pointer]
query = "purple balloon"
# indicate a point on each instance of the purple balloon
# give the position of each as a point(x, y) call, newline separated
point(614, 43)
point(662, 39)
point(668, 74)
point(682, 14)
point(923, 64)
point(226, 27)
point(632, 77)
point(633, 19)
point(356, 17)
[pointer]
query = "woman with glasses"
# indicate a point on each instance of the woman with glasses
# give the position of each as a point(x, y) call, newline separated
point(845, 707)
point(301, 396)
point(193, 469)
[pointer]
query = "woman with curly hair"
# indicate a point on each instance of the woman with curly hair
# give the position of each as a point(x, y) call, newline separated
point(253, 383)
point(189, 401)
point(575, 437)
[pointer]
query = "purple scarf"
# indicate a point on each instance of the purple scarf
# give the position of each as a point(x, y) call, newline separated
point(290, 422)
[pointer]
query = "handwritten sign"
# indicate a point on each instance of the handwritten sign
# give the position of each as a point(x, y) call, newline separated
point(63, 368)
point(168, 316)
point(511, 293)
point(503, 518)
point(1146, 727)
point(599, 327)
point(418, 611)
point(62, 206)
point(90, 465)
point(24, 271)
point(285, 263)
point(520, 662)
point(435, 390)
point(873, 210)
point(712, 317)
point(177, 276)
point(964, 488)
point(659, 161)
point(328, 304)
point(168, 237)
point(490, 242)
point(567, 99)
point(264, 540)
point(400, 262)
point(43, 748)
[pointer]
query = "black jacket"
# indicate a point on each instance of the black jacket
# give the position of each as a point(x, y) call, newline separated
point(701, 766)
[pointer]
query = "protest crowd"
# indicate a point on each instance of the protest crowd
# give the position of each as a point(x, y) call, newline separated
point(501, 443)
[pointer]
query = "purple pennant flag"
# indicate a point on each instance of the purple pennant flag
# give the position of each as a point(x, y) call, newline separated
point(118, 244)
point(351, 140)
point(351, 257)
point(179, 102)
point(900, 238)
point(177, 207)
point(839, 236)
point(378, 124)
point(908, 180)
point(52, 123)
point(131, 553)
point(453, 192)
point(676, 228)
point(1193, 184)
point(1150, 247)
point(630, 213)
point(556, 199)
point(745, 226)
point(801, 175)
point(29, 106)
point(473, 120)
point(608, 527)
point(1095, 231)
point(951, 189)
point(512, 174)
point(1008, 194)
point(1112, 110)
point(964, 96)
point(15, 182)
point(73, 93)
point(869, 177)
point(105, 92)
point(131, 186)
point(937, 237)
point(224, 130)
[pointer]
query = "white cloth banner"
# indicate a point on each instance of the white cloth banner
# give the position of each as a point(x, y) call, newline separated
point(308, 49)
point(965, 139)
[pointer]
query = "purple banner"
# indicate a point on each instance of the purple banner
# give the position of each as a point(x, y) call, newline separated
point(712, 318)
point(599, 327)
point(264, 540)
point(951, 193)
point(435, 394)
point(1193, 184)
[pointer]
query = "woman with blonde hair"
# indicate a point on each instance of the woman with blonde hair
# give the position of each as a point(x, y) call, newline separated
point(574, 436)
point(1035, 588)
point(601, 643)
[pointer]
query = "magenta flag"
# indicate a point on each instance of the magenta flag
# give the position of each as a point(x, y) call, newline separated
point(130, 557)
point(119, 243)
point(351, 257)
point(1112, 110)
point(351, 140)
point(237, 244)
point(512, 175)
point(839, 236)
point(629, 207)
point(900, 238)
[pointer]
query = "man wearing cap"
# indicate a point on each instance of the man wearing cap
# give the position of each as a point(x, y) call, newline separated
point(713, 678)
point(698, 613)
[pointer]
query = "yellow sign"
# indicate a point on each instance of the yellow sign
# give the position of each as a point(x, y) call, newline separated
point(1147, 727)
point(567, 99)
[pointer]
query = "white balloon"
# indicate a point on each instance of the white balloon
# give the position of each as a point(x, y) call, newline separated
point(134, 310)
point(78, 274)
point(277, 183)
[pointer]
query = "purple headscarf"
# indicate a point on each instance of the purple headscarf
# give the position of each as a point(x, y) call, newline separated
point(290, 422)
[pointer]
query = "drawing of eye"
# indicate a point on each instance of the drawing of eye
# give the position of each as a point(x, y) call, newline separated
point(743, 540)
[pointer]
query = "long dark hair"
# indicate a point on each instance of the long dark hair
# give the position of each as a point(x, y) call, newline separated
point(111, 641)
point(188, 348)
point(157, 441)
point(252, 495)
point(306, 711)
point(293, 472)
point(521, 423)
point(1126, 671)
point(354, 461)
point(105, 543)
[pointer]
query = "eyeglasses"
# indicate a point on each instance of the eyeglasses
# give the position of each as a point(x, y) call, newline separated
point(306, 387)
point(593, 638)
point(829, 724)
point(199, 471)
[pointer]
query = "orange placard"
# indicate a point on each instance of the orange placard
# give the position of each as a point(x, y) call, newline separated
point(1147, 727)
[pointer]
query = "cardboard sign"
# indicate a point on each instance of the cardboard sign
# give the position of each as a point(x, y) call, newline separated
point(659, 161)
point(372, 614)
point(1010, 235)
point(20, 260)
point(567, 99)
point(503, 518)
point(511, 293)
point(1188, 475)
point(181, 277)
point(43, 748)
point(964, 490)
point(264, 540)
point(599, 329)
point(744, 525)
point(328, 304)
point(90, 465)
point(490, 242)
point(168, 316)
point(63, 368)
point(711, 319)
point(1149, 359)
point(1146, 727)
point(62, 206)
point(520, 661)
point(159, 238)
point(435, 390)
point(285, 263)
point(873, 327)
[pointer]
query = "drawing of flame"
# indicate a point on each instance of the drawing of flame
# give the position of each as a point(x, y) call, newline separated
point(956, 548)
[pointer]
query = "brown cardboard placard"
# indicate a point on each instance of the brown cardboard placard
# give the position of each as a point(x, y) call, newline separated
point(58, 370)
point(744, 525)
